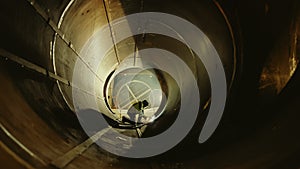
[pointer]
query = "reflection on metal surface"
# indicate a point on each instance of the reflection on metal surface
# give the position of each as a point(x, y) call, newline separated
point(293, 65)
point(234, 74)
point(20, 144)
point(15, 161)
point(282, 62)
point(295, 48)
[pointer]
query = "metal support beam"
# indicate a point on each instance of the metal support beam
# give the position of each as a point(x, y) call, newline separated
point(38, 69)
point(111, 32)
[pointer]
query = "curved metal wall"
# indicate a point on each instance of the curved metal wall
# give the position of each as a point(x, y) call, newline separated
point(257, 43)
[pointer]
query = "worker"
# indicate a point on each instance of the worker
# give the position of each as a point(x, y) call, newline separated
point(136, 112)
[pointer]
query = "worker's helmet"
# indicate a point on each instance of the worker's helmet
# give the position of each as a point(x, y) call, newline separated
point(145, 103)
